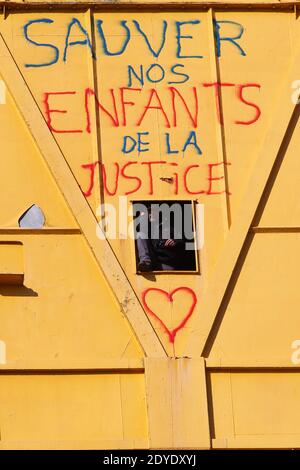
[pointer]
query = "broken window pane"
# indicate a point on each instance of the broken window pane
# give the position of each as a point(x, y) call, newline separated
point(32, 218)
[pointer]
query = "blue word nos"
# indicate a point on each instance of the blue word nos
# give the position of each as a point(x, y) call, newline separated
point(155, 73)
point(229, 32)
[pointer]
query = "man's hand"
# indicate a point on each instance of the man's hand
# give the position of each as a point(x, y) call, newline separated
point(170, 243)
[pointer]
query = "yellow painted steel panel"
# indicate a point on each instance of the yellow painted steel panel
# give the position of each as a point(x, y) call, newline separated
point(256, 412)
point(63, 87)
point(255, 326)
point(25, 178)
point(69, 314)
point(260, 74)
point(54, 408)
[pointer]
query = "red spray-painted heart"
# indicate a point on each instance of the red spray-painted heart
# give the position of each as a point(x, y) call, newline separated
point(169, 296)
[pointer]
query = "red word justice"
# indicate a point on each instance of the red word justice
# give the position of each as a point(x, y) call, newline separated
point(182, 183)
point(131, 106)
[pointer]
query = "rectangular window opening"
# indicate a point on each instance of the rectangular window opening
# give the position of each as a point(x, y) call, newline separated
point(164, 233)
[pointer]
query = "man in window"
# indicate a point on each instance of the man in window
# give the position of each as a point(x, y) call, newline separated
point(160, 242)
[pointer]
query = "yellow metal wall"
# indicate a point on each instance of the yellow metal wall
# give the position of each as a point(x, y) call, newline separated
point(90, 361)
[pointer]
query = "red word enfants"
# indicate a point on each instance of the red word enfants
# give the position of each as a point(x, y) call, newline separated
point(145, 181)
point(131, 106)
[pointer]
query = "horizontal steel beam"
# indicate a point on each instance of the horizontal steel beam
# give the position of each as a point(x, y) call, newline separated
point(111, 5)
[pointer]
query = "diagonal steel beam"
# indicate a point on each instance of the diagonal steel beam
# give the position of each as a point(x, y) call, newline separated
point(278, 133)
point(77, 203)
